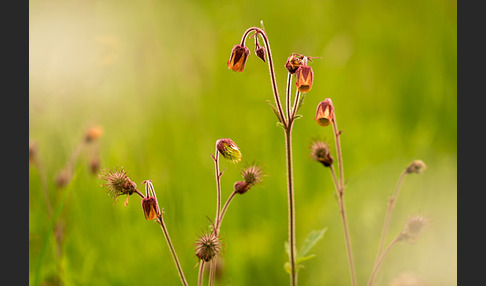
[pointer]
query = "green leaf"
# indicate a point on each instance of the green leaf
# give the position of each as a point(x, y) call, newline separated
point(311, 240)
point(275, 111)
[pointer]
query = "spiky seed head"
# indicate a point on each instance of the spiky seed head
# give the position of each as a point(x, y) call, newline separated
point(93, 133)
point(324, 112)
point(229, 150)
point(413, 228)
point(117, 183)
point(239, 56)
point(320, 152)
point(207, 246)
point(417, 166)
point(252, 175)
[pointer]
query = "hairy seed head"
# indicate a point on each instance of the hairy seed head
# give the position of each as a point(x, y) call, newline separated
point(207, 246)
point(117, 183)
point(417, 166)
point(320, 152)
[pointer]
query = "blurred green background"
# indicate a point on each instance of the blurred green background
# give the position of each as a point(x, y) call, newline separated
point(153, 74)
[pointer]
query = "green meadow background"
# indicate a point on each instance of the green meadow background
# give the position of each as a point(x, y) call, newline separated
point(153, 74)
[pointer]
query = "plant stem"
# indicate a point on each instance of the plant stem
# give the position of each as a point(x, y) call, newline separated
point(291, 206)
point(218, 189)
point(391, 203)
point(160, 220)
point(225, 207)
point(200, 274)
point(340, 193)
point(380, 260)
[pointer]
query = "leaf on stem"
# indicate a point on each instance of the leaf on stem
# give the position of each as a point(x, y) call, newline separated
point(312, 238)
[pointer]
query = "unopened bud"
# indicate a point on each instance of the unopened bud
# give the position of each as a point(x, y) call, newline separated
point(229, 150)
point(93, 133)
point(150, 208)
point(239, 56)
point(324, 112)
point(260, 52)
point(417, 166)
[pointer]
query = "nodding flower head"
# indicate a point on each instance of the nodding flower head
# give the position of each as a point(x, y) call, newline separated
point(413, 228)
point(118, 183)
point(320, 152)
point(229, 150)
point(417, 166)
point(305, 76)
point(207, 246)
point(239, 56)
point(294, 62)
point(93, 133)
point(260, 52)
point(324, 112)
point(150, 206)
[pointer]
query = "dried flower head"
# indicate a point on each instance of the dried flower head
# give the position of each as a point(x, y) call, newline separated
point(239, 56)
point(93, 133)
point(118, 183)
point(229, 150)
point(150, 205)
point(413, 228)
point(417, 166)
point(260, 52)
point(305, 76)
point(33, 150)
point(324, 112)
point(294, 62)
point(321, 153)
point(207, 246)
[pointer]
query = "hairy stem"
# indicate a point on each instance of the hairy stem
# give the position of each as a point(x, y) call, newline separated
point(291, 206)
point(225, 207)
point(380, 260)
point(391, 203)
point(340, 193)
point(270, 67)
point(201, 272)
point(160, 220)
point(218, 190)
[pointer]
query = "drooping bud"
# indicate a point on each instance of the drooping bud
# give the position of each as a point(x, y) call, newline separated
point(417, 166)
point(150, 206)
point(93, 133)
point(260, 52)
point(239, 56)
point(304, 75)
point(207, 246)
point(320, 152)
point(324, 112)
point(229, 150)
point(294, 62)
point(118, 183)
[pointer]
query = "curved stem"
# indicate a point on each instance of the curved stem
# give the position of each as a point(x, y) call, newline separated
point(200, 274)
point(225, 207)
point(160, 220)
point(270, 67)
point(391, 203)
point(379, 261)
point(218, 189)
point(337, 134)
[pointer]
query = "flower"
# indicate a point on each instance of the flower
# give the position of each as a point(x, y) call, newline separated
point(417, 166)
point(238, 57)
point(324, 112)
point(320, 152)
point(294, 62)
point(304, 75)
point(150, 206)
point(229, 150)
point(207, 246)
point(93, 133)
point(260, 52)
